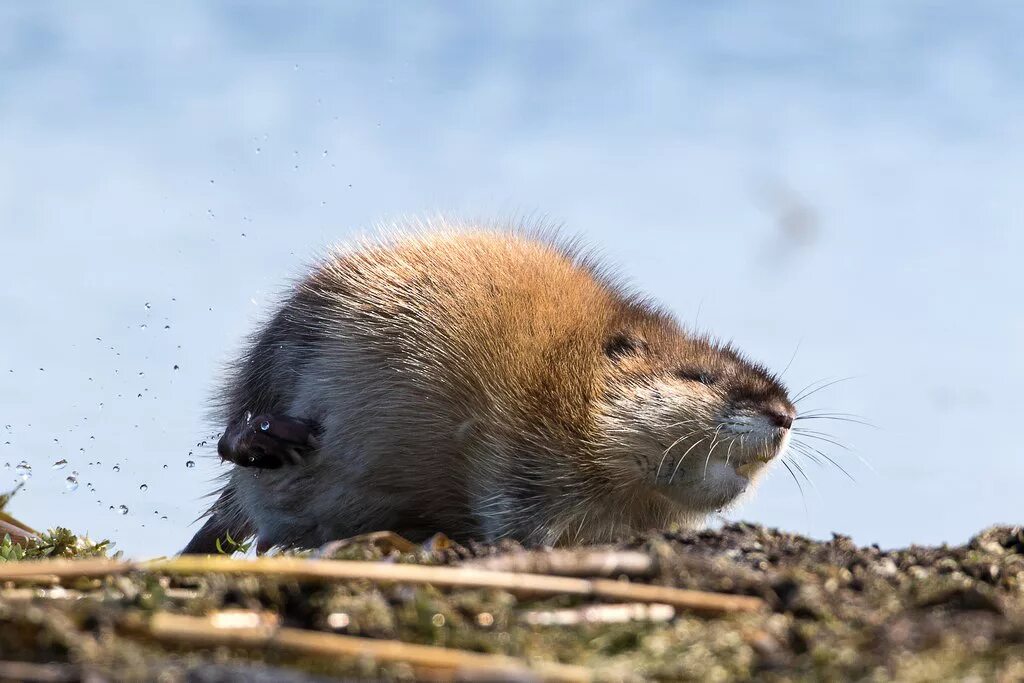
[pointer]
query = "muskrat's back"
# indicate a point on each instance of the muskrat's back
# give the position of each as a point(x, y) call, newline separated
point(415, 357)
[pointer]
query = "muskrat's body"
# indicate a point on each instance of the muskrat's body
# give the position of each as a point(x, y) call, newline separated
point(484, 385)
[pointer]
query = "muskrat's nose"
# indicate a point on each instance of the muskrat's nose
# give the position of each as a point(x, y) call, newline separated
point(780, 418)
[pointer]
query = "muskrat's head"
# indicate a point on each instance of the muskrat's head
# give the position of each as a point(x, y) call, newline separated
point(686, 416)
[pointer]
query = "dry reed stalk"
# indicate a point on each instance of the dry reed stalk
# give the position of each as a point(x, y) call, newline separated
point(427, 661)
point(63, 569)
point(462, 577)
point(452, 577)
point(605, 563)
point(18, 534)
point(600, 614)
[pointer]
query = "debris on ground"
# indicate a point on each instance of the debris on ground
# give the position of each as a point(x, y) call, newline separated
point(738, 603)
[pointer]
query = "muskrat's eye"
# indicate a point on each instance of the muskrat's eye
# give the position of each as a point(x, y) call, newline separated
point(621, 345)
point(696, 376)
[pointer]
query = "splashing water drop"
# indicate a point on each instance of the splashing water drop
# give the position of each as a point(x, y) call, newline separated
point(123, 509)
point(24, 470)
point(71, 483)
point(190, 463)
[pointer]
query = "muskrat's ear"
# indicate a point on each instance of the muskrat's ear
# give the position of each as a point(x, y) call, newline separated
point(621, 344)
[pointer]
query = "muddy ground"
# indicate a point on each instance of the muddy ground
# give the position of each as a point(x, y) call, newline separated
point(832, 611)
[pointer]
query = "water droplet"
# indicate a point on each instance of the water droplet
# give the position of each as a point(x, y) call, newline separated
point(24, 470)
point(123, 509)
point(117, 468)
point(258, 150)
point(265, 425)
point(201, 444)
point(324, 153)
point(248, 417)
point(60, 464)
point(190, 463)
point(165, 467)
point(148, 306)
point(143, 325)
point(71, 483)
point(144, 487)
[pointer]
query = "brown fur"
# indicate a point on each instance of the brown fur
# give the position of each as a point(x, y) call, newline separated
point(485, 384)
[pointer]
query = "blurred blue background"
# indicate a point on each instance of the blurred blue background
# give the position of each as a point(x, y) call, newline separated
point(845, 178)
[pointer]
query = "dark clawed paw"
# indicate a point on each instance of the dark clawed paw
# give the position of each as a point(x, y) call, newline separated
point(268, 441)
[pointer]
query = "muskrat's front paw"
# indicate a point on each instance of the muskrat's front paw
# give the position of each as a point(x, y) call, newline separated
point(268, 441)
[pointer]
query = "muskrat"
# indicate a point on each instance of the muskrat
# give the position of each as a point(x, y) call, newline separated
point(485, 384)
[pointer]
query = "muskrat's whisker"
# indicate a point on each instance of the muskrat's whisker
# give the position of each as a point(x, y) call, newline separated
point(808, 448)
point(791, 358)
point(802, 448)
point(803, 473)
point(714, 444)
point(800, 393)
point(810, 456)
point(827, 414)
point(829, 411)
point(680, 461)
point(837, 418)
point(681, 422)
point(728, 453)
point(803, 498)
point(821, 436)
point(804, 396)
point(665, 452)
point(806, 430)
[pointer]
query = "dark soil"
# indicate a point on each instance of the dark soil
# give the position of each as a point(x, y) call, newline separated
point(836, 612)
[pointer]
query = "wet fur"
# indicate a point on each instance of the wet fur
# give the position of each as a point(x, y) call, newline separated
point(464, 383)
